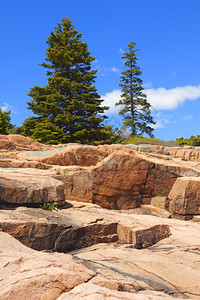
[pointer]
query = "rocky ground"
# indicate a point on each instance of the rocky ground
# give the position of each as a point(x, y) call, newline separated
point(120, 231)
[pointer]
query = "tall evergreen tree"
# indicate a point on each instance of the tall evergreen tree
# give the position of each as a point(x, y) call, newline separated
point(136, 109)
point(69, 107)
point(5, 125)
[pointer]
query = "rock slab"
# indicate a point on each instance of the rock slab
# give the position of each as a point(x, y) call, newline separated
point(28, 274)
point(24, 188)
point(184, 197)
point(78, 227)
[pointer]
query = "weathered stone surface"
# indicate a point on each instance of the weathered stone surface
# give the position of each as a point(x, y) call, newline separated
point(114, 177)
point(92, 291)
point(77, 183)
point(14, 163)
point(62, 231)
point(127, 180)
point(142, 238)
point(184, 197)
point(28, 274)
point(154, 211)
point(123, 180)
point(196, 218)
point(19, 142)
point(163, 267)
point(118, 181)
point(79, 155)
point(79, 226)
point(124, 285)
point(147, 209)
point(160, 202)
point(21, 187)
point(170, 266)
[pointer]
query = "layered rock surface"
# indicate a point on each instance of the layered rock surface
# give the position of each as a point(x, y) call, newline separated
point(132, 252)
point(19, 142)
point(170, 266)
point(167, 269)
point(28, 274)
point(184, 197)
point(78, 226)
point(115, 176)
point(23, 188)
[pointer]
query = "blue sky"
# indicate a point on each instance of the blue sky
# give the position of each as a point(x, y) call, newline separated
point(167, 32)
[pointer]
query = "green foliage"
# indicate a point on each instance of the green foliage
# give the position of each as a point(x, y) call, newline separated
point(43, 167)
point(192, 141)
point(68, 108)
point(17, 130)
point(144, 140)
point(136, 109)
point(5, 125)
point(49, 206)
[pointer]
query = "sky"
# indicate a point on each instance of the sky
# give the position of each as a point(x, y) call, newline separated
point(167, 32)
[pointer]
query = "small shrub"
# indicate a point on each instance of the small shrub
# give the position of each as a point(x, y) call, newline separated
point(43, 167)
point(192, 141)
point(145, 140)
point(49, 206)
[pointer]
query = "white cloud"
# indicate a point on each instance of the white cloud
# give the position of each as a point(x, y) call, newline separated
point(173, 74)
point(113, 69)
point(121, 51)
point(163, 119)
point(162, 98)
point(105, 70)
point(6, 107)
point(159, 124)
point(148, 84)
point(110, 99)
point(188, 117)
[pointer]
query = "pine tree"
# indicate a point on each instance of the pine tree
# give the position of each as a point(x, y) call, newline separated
point(136, 109)
point(5, 125)
point(69, 107)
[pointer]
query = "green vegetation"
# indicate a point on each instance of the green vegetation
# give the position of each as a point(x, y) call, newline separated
point(192, 141)
point(144, 140)
point(136, 110)
point(5, 125)
point(68, 108)
point(43, 167)
point(49, 206)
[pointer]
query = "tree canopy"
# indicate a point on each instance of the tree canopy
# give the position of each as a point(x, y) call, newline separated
point(136, 109)
point(5, 125)
point(68, 108)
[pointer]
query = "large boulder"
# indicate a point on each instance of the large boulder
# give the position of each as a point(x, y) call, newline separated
point(184, 197)
point(77, 183)
point(79, 155)
point(118, 181)
point(21, 187)
point(125, 180)
point(19, 142)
